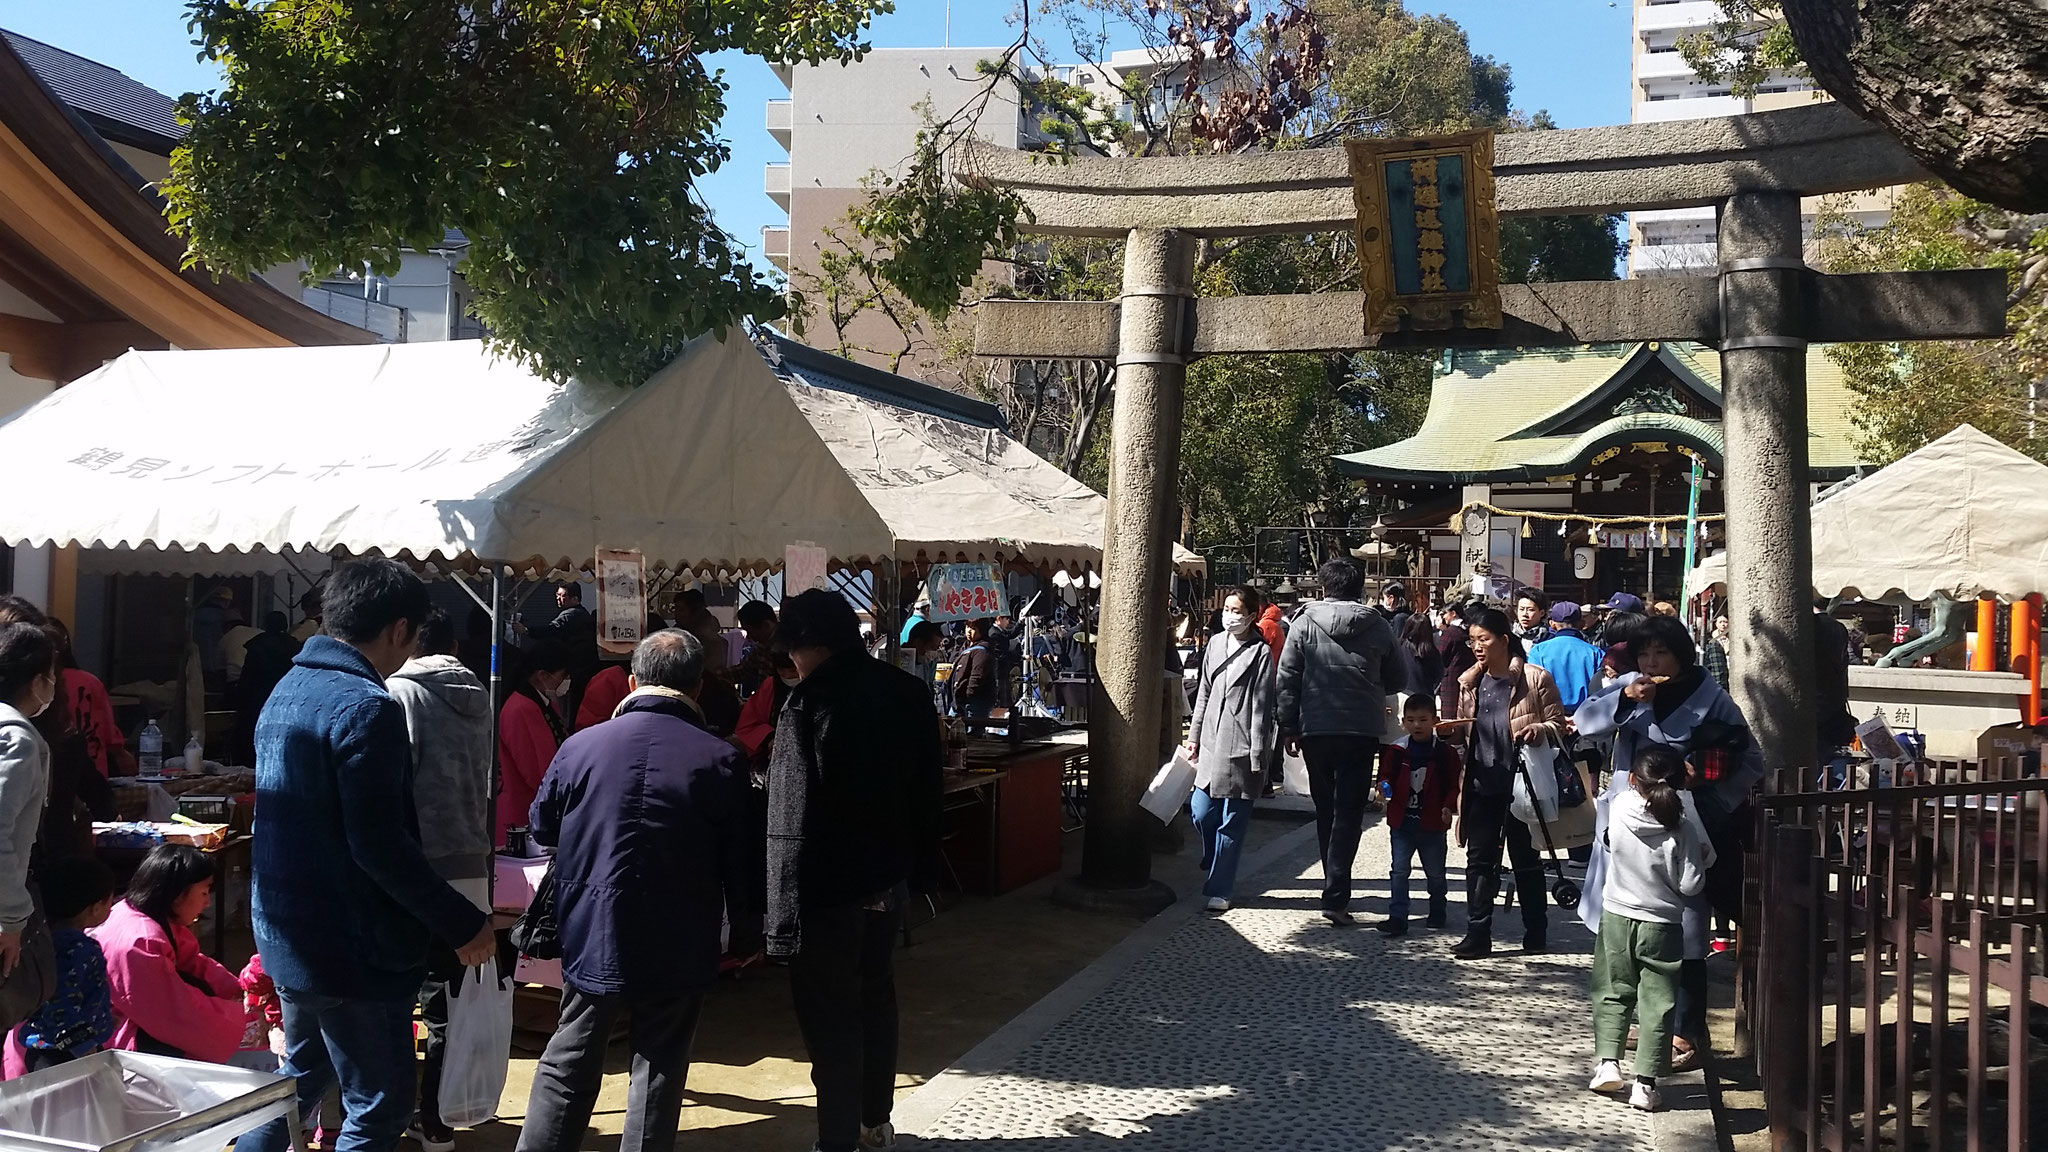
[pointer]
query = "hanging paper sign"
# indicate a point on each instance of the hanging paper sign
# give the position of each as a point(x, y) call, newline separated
point(964, 592)
point(621, 600)
point(803, 568)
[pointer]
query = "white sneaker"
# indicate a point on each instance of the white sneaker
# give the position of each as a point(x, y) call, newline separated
point(1607, 1077)
point(1645, 1098)
point(1218, 904)
point(881, 1138)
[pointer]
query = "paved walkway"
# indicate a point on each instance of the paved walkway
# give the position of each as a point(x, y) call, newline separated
point(1265, 1028)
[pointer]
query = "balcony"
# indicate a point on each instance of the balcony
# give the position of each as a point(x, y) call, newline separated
point(775, 246)
point(776, 184)
point(1681, 17)
point(1684, 259)
point(386, 321)
point(1689, 108)
point(1652, 66)
point(780, 115)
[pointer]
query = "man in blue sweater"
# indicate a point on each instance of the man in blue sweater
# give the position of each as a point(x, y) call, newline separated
point(345, 902)
point(1571, 659)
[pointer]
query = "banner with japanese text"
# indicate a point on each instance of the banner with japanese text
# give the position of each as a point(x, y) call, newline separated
point(621, 600)
point(964, 592)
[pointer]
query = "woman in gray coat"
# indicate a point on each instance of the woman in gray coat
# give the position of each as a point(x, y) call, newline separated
point(1232, 739)
point(28, 684)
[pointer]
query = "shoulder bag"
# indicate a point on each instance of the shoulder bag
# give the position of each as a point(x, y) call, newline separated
point(537, 934)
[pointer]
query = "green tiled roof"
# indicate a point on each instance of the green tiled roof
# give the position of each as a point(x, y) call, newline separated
point(1476, 411)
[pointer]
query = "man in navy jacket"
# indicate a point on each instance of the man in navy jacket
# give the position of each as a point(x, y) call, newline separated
point(345, 903)
point(647, 815)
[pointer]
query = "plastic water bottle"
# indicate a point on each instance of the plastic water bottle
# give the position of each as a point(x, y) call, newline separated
point(195, 756)
point(149, 760)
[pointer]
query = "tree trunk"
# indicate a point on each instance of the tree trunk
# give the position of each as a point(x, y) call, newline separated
point(1963, 84)
point(1091, 396)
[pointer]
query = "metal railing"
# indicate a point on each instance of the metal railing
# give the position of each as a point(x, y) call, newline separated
point(387, 321)
point(1893, 962)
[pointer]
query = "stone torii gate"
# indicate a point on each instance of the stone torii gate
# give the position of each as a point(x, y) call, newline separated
point(1760, 310)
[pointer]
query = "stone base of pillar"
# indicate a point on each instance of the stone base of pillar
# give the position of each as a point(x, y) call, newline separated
point(1150, 899)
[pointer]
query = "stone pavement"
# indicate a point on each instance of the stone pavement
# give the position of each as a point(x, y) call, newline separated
point(1267, 1028)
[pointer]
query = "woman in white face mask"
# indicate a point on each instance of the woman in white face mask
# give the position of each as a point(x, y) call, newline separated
point(1232, 739)
point(531, 726)
point(28, 683)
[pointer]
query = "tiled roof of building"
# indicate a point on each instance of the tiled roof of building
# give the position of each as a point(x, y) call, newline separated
point(1480, 415)
point(119, 106)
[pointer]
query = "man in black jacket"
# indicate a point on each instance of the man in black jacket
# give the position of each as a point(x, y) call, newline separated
point(853, 827)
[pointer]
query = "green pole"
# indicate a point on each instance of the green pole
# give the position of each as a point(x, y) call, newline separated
point(1692, 516)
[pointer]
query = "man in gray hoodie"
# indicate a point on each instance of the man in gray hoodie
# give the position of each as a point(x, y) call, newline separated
point(448, 715)
point(1337, 668)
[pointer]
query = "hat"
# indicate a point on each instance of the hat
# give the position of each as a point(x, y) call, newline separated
point(1623, 602)
point(1564, 612)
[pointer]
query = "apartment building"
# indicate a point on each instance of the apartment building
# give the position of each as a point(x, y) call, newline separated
point(1680, 241)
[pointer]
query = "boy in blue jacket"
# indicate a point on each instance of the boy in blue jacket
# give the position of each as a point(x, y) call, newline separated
point(78, 893)
point(1420, 777)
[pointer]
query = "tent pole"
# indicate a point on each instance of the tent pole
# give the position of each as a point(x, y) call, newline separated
point(497, 633)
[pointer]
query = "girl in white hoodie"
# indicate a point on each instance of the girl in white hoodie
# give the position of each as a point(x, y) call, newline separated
point(1658, 857)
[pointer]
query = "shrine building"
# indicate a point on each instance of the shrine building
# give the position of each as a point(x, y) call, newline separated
point(1609, 430)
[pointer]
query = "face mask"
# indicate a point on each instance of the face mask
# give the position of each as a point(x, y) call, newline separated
point(561, 689)
point(1235, 622)
point(47, 700)
point(792, 679)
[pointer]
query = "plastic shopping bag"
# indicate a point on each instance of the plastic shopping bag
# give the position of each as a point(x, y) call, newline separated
point(479, 1046)
point(1170, 788)
point(1535, 795)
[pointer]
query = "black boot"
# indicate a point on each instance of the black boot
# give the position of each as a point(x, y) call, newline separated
point(1477, 944)
point(1393, 927)
point(1437, 915)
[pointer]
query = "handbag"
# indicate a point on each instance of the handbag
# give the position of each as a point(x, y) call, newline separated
point(537, 934)
point(479, 1046)
point(34, 979)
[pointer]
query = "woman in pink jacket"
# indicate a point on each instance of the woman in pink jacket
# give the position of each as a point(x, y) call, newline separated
point(169, 998)
point(530, 728)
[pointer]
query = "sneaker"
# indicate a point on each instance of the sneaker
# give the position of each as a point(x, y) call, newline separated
point(431, 1134)
point(1339, 918)
point(1607, 1077)
point(1720, 945)
point(880, 1138)
point(1475, 946)
point(1393, 927)
point(1218, 904)
point(1684, 1057)
point(1645, 1098)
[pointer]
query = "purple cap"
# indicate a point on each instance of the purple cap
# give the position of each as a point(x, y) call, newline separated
point(1564, 612)
point(1623, 602)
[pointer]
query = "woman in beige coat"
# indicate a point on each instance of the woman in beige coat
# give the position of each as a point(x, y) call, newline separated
point(1506, 702)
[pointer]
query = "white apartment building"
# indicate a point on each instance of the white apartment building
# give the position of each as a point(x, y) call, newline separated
point(1680, 241)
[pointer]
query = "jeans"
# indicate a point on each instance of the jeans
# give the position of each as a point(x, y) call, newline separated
point(433, 1014)
point(1408, 842)
point(1635, 977)
point(565, 1085)
point(1339, 780)
point(843, 980)
point(1490, 827)
point(1224, 824)
point(367, 1046)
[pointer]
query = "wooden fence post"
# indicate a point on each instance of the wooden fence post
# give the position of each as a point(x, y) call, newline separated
point(1789, 900)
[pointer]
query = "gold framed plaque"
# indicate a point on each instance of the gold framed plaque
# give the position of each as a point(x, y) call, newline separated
point(1428, 235)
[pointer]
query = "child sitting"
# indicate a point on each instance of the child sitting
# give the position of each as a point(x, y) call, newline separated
point(1420, 776)
point(77, 894)
point(1658, 858)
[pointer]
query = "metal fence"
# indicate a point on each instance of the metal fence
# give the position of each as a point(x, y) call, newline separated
point(1893, 962)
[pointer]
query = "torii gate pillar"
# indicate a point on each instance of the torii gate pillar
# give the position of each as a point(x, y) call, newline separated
point(1137, 558)
point(1770, 550)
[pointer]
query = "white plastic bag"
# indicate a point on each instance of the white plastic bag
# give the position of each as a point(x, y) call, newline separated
point(1538, 771)
point(1170, 788)
point(479, 1046)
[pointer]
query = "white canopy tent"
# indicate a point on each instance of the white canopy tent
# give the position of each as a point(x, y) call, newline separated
point(442, 451)
point(1959, 516)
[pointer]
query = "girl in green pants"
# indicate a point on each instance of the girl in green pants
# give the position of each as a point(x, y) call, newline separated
point(1659, 856)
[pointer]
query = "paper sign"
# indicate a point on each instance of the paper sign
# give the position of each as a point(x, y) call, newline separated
point(621, 600)
point(803, 568)
point(964, 592)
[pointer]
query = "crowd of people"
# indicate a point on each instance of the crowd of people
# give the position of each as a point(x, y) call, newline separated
point(1433, 709)
point(687, 825)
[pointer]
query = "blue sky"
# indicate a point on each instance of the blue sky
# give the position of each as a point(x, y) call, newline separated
point(1568, 56)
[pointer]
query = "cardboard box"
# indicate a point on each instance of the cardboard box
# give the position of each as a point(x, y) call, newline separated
point(2010, 742)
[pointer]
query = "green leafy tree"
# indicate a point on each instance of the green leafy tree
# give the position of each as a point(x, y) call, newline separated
point(1910, 393)
point(563, 137)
